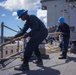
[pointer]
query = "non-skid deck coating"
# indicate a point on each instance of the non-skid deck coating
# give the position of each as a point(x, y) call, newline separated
point(52, 66)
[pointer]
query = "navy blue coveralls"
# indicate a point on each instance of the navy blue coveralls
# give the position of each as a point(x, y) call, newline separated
point(65, 29)
point(38, 33)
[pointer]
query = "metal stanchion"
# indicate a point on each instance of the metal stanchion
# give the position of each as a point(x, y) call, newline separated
point(1, 48)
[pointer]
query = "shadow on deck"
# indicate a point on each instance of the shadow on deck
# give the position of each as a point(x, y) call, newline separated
point(51, 66)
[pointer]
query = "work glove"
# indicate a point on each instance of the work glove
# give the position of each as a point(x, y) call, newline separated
point(26, 35)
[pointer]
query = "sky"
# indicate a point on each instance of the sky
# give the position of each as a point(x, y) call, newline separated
point(8, 15)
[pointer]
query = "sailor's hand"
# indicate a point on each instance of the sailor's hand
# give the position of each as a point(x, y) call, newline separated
point(60, 33)
point(55, 35)
point(26, 35)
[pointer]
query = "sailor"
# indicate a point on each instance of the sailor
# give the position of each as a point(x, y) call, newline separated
point(65, 30)
point(37, 34)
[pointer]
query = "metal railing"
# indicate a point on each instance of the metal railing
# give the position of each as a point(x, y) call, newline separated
point(2, 40)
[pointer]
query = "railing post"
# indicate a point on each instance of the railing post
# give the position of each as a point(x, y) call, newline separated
point(18, 46)
point(1, 49)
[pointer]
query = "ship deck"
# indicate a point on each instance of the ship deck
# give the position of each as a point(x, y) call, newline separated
point(51, 66)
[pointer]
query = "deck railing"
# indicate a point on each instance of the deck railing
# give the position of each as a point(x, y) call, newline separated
point(11, 49)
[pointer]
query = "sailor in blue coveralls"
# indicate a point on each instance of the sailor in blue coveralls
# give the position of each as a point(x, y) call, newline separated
point(65, 29)
point(38, 33)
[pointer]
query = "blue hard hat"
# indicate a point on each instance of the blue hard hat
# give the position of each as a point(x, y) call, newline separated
point(61, 19)
point(20, 12)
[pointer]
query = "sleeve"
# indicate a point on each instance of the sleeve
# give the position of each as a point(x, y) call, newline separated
point(58, 29)
point(23, 31)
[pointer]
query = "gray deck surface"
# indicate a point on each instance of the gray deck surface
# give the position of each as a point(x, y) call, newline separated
point(52, 66)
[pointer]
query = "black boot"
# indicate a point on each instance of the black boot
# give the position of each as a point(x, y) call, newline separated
point(63, 55)
point(22, 67)
point(38, 62)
